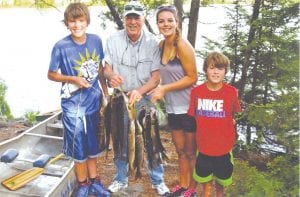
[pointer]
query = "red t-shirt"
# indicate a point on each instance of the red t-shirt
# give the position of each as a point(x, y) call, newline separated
point(214, 111)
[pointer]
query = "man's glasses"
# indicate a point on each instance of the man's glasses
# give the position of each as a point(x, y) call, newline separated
point(167, 7)
point(134, 7)
point(127, 64)
point(138, 55)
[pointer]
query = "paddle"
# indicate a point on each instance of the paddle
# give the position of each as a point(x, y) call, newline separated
point(21, 179)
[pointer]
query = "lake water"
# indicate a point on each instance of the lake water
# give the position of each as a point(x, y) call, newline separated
point(27, 37)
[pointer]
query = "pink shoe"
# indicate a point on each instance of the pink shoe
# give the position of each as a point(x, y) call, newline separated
point(189, 193)
point(176, 191)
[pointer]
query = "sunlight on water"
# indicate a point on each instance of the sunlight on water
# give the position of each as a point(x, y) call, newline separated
point(27, 38)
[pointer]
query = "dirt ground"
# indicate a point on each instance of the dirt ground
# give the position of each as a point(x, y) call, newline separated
point(142, 187)
point(11, 129)
point(106, 169)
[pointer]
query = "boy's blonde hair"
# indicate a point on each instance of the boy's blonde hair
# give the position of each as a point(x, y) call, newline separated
point(218, 60)
point(76, 10)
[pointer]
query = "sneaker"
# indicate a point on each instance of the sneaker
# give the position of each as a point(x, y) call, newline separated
point(161, 189)
point(83, 190)
point(117, 186)
point(176, 191)
point(189, 193)
point(98, 190)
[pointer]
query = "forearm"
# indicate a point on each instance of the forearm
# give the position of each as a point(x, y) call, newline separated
point(58, 77)
point(108, 72)
point(151, 84)
point(183, 83)
point(102, 80)
point(78, 81)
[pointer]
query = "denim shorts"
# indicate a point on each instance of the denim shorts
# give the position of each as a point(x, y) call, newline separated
point(182, 122)
point(81, 136)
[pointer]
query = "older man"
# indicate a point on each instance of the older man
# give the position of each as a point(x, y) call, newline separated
point(131, 64)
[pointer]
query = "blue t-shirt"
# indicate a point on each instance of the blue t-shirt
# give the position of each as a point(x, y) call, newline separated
point(79, 60)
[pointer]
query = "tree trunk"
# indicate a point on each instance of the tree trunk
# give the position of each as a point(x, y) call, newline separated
point(248, 135)
point(179, 7)
point(148, 25)
point(236, 59)
point(115, 14)
point(193, 22)
point(248, 52)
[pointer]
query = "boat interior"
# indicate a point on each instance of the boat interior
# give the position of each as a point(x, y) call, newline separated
point(44, 138)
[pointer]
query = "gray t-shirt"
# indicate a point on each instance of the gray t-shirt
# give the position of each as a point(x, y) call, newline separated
point(177, 101)
point(133, 61)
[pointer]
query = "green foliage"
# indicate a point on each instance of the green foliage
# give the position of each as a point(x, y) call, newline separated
point(280, 117)
point(249, 182)
point(286, 170)
point(30, 116)
point(22, 3)
point(44, 3)
point(4, 107)
point(269, 57)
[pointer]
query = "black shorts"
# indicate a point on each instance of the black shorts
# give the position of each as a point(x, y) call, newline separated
point(209, 166)
point(182, 122)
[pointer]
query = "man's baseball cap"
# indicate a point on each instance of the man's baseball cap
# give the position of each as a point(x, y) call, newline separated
point(134, 7)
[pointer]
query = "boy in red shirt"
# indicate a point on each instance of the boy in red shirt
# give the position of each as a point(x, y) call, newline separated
point(214, 104)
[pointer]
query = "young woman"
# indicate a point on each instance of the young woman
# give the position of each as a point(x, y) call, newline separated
point(178, 76)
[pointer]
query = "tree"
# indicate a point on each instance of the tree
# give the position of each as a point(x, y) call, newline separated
point(4, 107)
point(193, 22)
point(264, 51)
point(116, 7)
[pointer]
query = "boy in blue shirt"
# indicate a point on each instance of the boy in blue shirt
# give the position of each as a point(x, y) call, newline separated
point(75, 61)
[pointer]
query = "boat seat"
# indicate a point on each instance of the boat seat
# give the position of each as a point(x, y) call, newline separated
point(57, 125)
point(55, 129)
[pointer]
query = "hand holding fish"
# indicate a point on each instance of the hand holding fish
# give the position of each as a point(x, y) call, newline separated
point(134, 96)
point(157, 94)
point(116, 80)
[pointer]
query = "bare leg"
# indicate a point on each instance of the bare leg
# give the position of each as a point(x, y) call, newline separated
point(92, 167)
point(208, 189)
point(81, 171)
point(184, 166)
point(219, 190)
point(190, 151)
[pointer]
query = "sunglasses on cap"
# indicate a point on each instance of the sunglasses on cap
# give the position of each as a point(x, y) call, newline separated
point(167, 7)
point(134, 7)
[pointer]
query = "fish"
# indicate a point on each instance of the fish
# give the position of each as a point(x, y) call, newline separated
point(102, 130)
point(131, 134)
point(116, 124)
point(160, 146)
point(139, 150)
point(154, 147)
point(147, 137)
point(107, 124)
point(131, 147)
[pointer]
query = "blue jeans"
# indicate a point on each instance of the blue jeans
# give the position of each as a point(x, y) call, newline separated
point(156, 174)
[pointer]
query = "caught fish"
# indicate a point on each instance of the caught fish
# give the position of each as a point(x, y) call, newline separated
point(107, 124)
point(131, 147)
point(147, 137)
point(155, 150)
point(131, 134)
point(117, 124)
point(159, 144)
point(103, 134)
point(139, 150)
